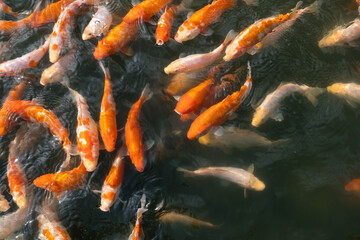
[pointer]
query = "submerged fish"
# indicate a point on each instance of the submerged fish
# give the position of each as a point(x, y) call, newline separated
point(112, 183)
point(6, 8)
point(107, 121)
point(197, 61)
point(272, 101)
point(349, 91)
point(239, 176)
point(353, 185)
point(174, 218)
point(137, 233)
point(220, 112)
point(29, 60)
point(133, 132)
point(341, 35)
point(143, 11)
point(182, 82)
point(231, 137)
point(99, 23)
point(4, 204)
point(201, 19)
point(254, 34)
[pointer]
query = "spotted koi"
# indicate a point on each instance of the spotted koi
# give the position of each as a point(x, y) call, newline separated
point(133, 133)
point(107, 122)
point(99, 24)
point(201, 19)
point(20, 64)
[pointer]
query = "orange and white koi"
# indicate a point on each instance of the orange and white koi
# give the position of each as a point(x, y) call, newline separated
point(7, 121)
point(61, 32)
point(137, 233)
point(271, 102)
point(6, 8)
point(116, 40)
point(59, 71)
point(143, 11)
point(220, 112)
point(133, 133)
point(62, 181)
point(197, 61)
point(4, 204)
point(254, 34)
point(16, 176)
point(163, 29)
point(201, 19)
point(87, 134)
point(342, 35)
point(50, 227)
point(107, 121)
point(29, 60)
point(349, 91)
point(32, 112)
point(353, 185)
point(112, 183)
point(99, 24)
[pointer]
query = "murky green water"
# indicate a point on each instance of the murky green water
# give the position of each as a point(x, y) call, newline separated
point(305, 177)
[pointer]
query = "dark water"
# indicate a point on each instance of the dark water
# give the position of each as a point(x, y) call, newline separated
point(305, 178)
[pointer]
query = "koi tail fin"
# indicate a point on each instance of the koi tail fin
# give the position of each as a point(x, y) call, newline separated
point(187, 173)
point(298, 5)
point(312, 93)
point(229, 37)
point(280, 142)
point(105, 70)
point(142, 208)
point(146, 93)
point(252, 2)
point(315, 7)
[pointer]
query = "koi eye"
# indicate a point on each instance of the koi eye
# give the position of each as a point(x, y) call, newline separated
point(176, 70)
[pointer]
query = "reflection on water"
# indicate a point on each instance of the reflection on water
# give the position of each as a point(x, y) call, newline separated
point(305, 176)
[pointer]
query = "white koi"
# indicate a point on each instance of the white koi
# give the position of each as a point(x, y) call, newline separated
point(99, 24)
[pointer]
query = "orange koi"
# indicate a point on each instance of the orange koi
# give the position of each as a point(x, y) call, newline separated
point(254, 34)
point(16, 177)
point(50, 227)
point(353, 185)
point(6, 8)
point(112, 183)
point(107, 121)
point(62, 29)
point(201, 19)
point(62, 181)
point(162, 33)
point(133, 133)
point(137, 233)
point(86, 134)
point(220, 112)
point(116, 40)
point(30, 60)
point(7, 121)
point(32, 112)
point(143, 11)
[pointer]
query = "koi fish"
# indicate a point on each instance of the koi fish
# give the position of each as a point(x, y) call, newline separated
point(244, 178)
point(272, 101)
point(61, 32)
point(50, 227)
point(6, 8)
point(4, 204)
point(29, 60)
point(227, 138)
point(342, 35)
point(349, 91)
point(220, 112)
point(14, 221)
point(353, 185)
point(252, 2)
point(99, 24)
point(32, 112)
point(58, 71)
point(143, 11)
point(183, 82)
point(254, 34)
point(112, 183)
point(201, 19)
point(162, 33)
point(86, 133)
point(137, 233)
point(7, 121)
point(116, 40)
point(173, 218)
point(133, 133)
point(62, 181)
point(107, 121)
point(197, 61)
point(16, 177)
